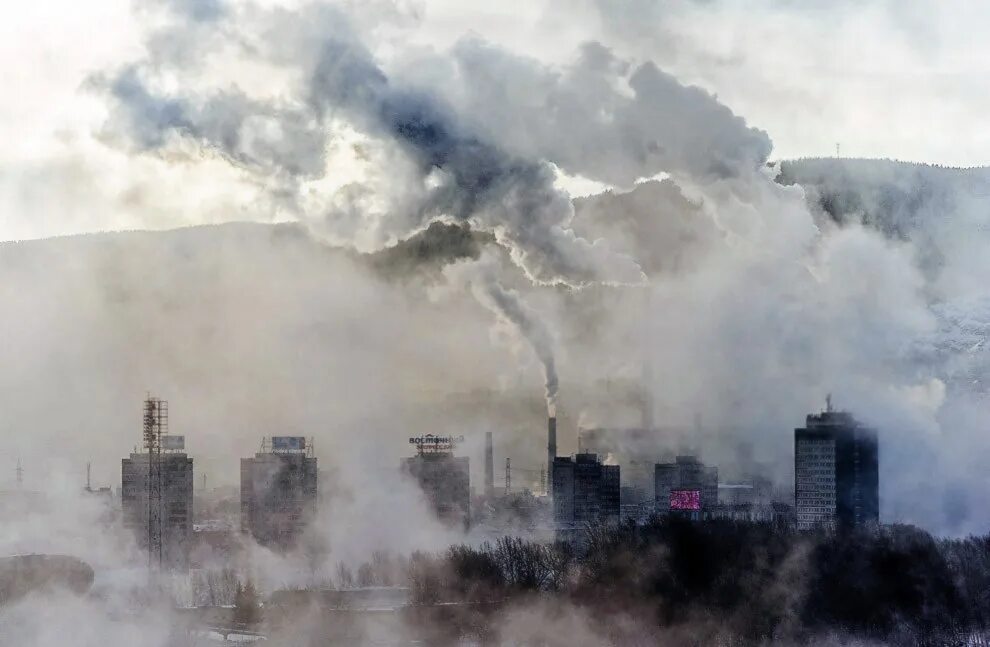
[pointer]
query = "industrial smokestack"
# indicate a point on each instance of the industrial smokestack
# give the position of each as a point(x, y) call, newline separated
point(489, 466)
point(551, 450)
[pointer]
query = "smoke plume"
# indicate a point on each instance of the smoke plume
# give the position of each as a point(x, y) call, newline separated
point(481, 277)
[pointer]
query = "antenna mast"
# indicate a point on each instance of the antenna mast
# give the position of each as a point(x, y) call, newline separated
point(155, 427)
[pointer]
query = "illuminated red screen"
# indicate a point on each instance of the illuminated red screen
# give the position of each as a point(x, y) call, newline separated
point(685, 499)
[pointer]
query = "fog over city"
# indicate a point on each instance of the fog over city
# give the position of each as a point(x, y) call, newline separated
point(361, 222)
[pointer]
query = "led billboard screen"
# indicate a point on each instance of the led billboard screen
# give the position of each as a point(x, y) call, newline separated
point(685, 499)
point(288, 443)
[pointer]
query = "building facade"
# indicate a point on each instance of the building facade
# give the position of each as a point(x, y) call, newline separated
point(584, 492)
point(156, 498)
point(687, 487)
point(836, 472)
point(279, 492)
point(444, 479)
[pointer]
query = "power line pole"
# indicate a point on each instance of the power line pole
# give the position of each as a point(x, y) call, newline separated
point(508, 476)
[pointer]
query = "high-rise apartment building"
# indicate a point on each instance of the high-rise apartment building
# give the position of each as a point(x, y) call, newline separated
point(156, 491)
point(584, 491)
point(836, 472)
point(445, 479)
point(278, 492)
point(157, 504)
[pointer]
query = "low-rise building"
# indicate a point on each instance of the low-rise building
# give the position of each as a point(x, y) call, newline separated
point(686, 487)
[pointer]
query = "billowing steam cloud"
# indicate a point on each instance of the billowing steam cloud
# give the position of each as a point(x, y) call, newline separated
point(459, 174)
point(326, 116)
point(472, 137)
point(469, 135)
point(367, 140)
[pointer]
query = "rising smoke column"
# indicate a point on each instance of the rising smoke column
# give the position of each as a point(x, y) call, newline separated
point(481, 277)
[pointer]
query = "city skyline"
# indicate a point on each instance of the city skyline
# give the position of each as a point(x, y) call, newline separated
point(536, 311)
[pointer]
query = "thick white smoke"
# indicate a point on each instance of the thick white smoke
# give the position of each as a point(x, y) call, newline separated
point(759, 303)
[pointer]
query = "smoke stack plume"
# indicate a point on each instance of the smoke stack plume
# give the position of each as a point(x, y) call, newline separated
point(489, 466)
point(551, 450)
point(482, 277)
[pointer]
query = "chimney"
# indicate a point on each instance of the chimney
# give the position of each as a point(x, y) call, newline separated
point(551, 451)
point(489, 466)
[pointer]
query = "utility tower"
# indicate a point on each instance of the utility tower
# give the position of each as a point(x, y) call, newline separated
point(155, 427)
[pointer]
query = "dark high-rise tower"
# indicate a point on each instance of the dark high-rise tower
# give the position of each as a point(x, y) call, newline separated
point(156, 491)
point(279, 492)
point(836, 471)
point(585, 491)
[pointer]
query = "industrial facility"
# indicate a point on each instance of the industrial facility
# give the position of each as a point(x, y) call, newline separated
point(445, 479)
point(836, 471)
point(279, 491)
point(156, 492)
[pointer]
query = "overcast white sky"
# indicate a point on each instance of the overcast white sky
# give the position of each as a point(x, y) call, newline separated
point(904, 80)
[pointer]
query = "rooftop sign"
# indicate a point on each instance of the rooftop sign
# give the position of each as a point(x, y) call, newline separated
point(430, 443)
point(288, 443)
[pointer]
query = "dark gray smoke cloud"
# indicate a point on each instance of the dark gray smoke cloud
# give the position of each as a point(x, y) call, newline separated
point(462, 176)
point(478, 130)
point(601, 117)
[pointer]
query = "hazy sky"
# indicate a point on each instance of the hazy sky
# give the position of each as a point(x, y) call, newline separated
point(881, 78)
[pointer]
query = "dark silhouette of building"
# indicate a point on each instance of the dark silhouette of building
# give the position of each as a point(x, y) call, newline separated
point(445, 479)
point(157, 504)
point(584, 491)
point(836, 471)
point(278, 492)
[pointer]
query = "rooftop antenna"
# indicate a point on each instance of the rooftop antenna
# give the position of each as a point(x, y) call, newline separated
point(204, 482)
point(837, 149)
point(828, 403)
point(88, 485)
